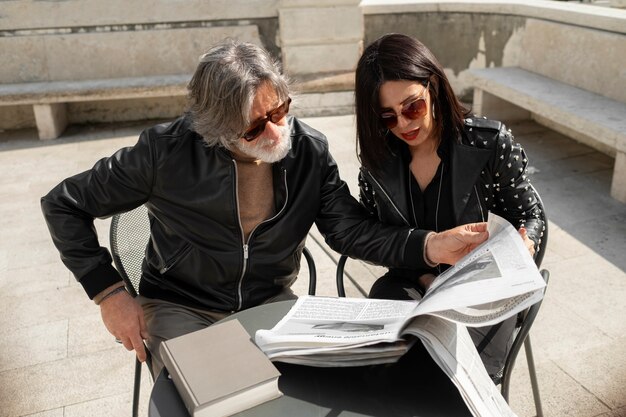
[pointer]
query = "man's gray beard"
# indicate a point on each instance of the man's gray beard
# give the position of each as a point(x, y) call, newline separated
point(264, 149)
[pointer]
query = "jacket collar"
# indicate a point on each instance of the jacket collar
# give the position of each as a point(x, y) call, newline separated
point(466, 163)
point(393, 177)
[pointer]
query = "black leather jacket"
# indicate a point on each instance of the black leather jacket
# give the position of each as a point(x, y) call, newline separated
point(489, 173)
point(197, 255)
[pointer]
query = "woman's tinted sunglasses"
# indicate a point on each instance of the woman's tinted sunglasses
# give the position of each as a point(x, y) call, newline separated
point(274, 116)
point(413, 110)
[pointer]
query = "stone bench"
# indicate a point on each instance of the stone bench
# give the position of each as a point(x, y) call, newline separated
point(49, 99)
point(512, 94)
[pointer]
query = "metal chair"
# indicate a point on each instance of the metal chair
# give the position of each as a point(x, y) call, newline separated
point(522, 329)
point(129, 236)
point(523, 338)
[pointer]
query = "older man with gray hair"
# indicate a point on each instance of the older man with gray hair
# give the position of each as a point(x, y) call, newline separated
point(232, 189)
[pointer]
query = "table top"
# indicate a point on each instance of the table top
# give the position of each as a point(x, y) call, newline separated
point(414, 386)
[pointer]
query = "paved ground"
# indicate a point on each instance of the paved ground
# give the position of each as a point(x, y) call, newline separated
point(57, 360)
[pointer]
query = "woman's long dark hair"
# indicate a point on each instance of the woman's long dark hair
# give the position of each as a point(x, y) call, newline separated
point(396, 57)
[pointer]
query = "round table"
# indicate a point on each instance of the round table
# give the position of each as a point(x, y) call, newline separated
point(413, 386)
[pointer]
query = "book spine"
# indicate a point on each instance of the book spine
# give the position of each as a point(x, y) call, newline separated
point(187, 395)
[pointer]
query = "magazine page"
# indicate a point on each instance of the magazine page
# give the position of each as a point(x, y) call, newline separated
point(318, 323)
point(451, 346)
point(497, 279)
point(380, 353)
point(490, 313)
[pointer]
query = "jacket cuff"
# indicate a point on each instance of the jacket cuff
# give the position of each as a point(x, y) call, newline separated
point(414, 249)
point(100, 279)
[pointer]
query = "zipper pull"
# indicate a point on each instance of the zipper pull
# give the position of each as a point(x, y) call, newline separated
point(245, 251)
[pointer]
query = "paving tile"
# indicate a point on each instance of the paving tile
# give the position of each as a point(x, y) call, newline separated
point(579, 325)
point(37, 164)
point(24, 209)
point(601, 370)
point(87, 334)
point(10, 187)
point(560, 332)
point(32, 345)
point(618, 412)
point(547, 145)
point(572, 165)
point(4, 264)
point(57, 412)
point(562, 245)
point(30, 280)
point(525, 128)
point(561, 395)
point(25, 254)
point(606, 236)
point(22, 233)
point(341, 135)
point(572, 200)
point(116, 405)
point(52, 305)
point(595, 290)
point(74, 380)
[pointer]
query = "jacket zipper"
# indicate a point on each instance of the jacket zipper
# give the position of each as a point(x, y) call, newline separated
point(388, 198)
point(246, 243)
point(408, 235)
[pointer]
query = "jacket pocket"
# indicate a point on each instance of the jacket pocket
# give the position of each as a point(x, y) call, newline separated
point(171, 261)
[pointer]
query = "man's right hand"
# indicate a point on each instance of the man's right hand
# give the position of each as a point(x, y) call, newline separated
point(123, 318)
point(450, 246)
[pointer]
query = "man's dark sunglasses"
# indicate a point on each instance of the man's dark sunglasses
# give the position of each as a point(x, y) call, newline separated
point(273, 115)
point(413, 110)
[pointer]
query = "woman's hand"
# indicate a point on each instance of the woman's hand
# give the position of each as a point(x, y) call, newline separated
point(530, 245)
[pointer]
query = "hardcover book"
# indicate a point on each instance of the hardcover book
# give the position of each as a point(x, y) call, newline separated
point(219, 371)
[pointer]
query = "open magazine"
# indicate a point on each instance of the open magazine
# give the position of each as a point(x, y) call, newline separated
point(495, 281)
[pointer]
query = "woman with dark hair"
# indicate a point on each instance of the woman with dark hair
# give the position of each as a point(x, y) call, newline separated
point(428, 164)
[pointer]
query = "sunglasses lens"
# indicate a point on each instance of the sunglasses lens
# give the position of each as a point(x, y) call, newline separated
point(274, 116)
point(255, 131)
point(415, 110)
point(280, 112)
point(389, 120)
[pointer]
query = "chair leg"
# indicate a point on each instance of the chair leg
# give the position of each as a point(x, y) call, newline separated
point(533, 376)
point(137, 387)
point(505, 382)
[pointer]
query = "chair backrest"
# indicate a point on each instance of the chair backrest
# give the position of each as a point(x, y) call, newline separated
point(129, 236)
point(544, 235)
point(526, 322)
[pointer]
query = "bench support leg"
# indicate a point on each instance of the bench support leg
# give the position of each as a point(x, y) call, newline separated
point(488, 105)
point(51, 119)
point(618, 184)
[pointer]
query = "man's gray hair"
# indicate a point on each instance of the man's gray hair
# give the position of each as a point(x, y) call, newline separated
point(222, 90)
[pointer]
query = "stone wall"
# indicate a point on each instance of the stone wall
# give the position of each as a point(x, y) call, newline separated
point(90, 39)
point(581, 45)
point(72, 40)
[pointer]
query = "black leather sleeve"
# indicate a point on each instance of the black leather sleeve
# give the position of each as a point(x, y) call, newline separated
point(349, 229)
point(515, 197)
point(115, 184)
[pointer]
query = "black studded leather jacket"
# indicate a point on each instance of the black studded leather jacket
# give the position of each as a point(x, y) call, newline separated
point(197, 255)
point(489, 173)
